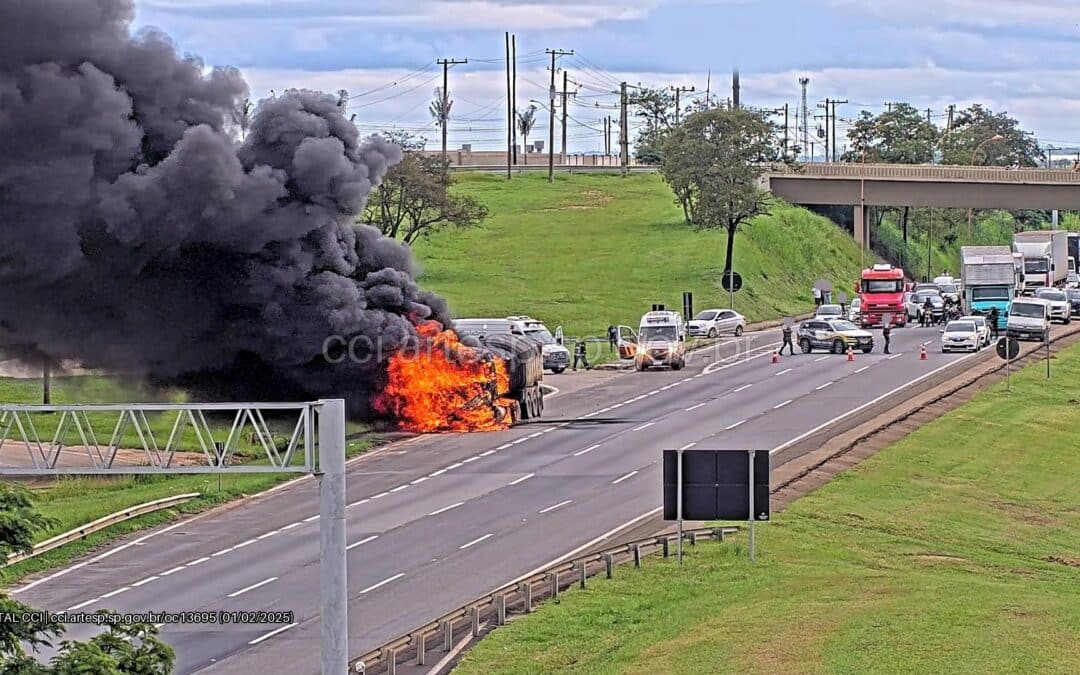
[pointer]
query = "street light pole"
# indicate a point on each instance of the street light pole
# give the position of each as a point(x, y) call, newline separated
point(995, 137)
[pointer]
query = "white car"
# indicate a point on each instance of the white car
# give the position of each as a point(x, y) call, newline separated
point(1058, 301)
point(981, 326)
point(714, 322)
point(853, 310)
point(827, 312)
point(960, 336)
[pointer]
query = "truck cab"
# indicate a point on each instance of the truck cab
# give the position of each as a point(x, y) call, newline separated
point(1029, 319)
point(660, 341)
point(556, 356)
point(881, 293)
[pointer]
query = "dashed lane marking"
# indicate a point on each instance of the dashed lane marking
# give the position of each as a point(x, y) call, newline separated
point(382, 583)
point(732, 426)
point(781, 405)
point(522, 479)
point(819, 388)
point(361, 542)
point(695, 407)
point(252, 587)
point(271, 634)
point(588, 449)
point(476, 541)
point(555, 506)
point(445, 509)
point(688, 446)
point(622, 478)
point(643, 426)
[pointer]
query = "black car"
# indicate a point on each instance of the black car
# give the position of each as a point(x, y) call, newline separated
point(1074, 300)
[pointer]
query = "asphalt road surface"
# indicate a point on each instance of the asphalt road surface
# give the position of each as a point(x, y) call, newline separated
point(440, 520)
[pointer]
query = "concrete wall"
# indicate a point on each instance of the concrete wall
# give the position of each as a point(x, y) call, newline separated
point(498, 158)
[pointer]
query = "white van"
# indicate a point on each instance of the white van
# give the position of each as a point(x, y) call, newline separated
point(660, 341)
point(1029, 319)
point(556, 356)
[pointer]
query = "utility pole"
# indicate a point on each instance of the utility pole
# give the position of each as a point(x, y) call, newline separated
point(948, 124)
point(513, 94)
point(607, 136)
point(805, 114)
point(511, 114)
point(928, 116)
point(785, 132)
point(551, 112)
point(679, 90)
point(708, 89)
point(817, 117)
point(46, 383)
point(834, 141)
point(564, 113)
point(624, 142)
point(735, 88)
point(444, 114)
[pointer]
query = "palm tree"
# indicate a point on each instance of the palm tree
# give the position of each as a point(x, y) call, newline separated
point(525, 122)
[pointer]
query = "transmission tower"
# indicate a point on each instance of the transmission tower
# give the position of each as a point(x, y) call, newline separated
point(805, 116)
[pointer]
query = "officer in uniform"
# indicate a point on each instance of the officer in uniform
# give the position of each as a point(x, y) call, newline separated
point(579, 355)
point(886, 334)
point(993, 320)
point(787, 340)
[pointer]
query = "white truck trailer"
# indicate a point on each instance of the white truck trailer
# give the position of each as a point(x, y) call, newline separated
point(1046, 257)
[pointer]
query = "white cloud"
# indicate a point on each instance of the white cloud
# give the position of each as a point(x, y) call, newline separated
point(984, 13)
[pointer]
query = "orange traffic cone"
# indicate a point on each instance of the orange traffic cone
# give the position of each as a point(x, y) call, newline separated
point(850, 354)
point(922, 353)
point(775, 357)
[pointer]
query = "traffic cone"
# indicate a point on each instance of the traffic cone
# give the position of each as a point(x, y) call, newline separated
point(922, 353)
point(775, 357)
point(850, 354)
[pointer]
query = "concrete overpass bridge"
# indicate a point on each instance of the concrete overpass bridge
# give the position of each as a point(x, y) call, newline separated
point(981, 187)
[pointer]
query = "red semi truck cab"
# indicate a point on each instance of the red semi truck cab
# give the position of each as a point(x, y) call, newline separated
point(881, 292)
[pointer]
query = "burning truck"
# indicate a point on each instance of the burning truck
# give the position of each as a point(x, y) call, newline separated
point(483, 383)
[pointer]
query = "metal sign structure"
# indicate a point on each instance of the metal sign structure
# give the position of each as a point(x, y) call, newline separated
point(315, 444)
point(703, 484)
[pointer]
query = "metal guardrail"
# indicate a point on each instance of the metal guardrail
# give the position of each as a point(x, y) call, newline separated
point(100, 524)
point(927, 172)
point(520, 596)
point(561, 168)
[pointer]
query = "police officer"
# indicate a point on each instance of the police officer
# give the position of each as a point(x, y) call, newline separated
point(886, 334)
point(927, 313)
point(579, 355)
point(787, 340)
point(613, 337)
point(993, 319)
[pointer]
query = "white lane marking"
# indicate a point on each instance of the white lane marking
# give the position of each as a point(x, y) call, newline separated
point(653, 392)
point(926, 343)
point(252, 587)
point(222, 552)
point(636, 399)
point(399, 488)
point(437, 473)
point(486, 454)
point(643, 426)
point(522, 479)
point(622, 478)
point(555, 506)
point(688, 446)
point(245, 543)
point(742, 388)
point(265, 535)
point(82, 604)
point(197, 561)
point(520, 440)
point(686, 379)
point(783, 372)
point(362, 541)
point(503, 446)
point(445, 509)
point(695, 407)
point(383, 583)
point(271, 634)
point(895, 356)
point(471, 459)
point(291, 526)
point(536, 435)
point(859, 370)
point(731, 361)
point(822, 358)
point(311, 518)
point(588, 449)
point(548, 430)
point(365, 500)
point(732, 426)
point(380, 495)
point(455, 465)
point(476, 541)
point(116, 592)
point(592, 414)
point(144, 581)
point(617, 405)
point(781, 405)
point(172, 571)
point(822, 386)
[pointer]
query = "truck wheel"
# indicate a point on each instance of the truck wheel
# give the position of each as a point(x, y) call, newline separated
point(1068, 320)
point(838, 347)
point(805, 346)
point(558, 371)
point(526, 406)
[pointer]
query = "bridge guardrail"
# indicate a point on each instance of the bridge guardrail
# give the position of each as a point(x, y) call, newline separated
point(946, 172)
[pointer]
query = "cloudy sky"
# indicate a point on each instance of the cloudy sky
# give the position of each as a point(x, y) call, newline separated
point(1020, 56)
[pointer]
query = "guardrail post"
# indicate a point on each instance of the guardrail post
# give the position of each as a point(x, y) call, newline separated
point(526, 592)
point(390, 656)
point(448, 635)
point(500, 610)
point(664, 544)
point(609, 564)
point(474, 620)
point(637, 555)
point(581, 574)
point(693, 538)
point(419, 639)
point(718, 533)
point(553, 583)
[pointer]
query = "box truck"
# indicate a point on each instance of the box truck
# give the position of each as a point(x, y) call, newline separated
point(989, 279)
point(1046, 257)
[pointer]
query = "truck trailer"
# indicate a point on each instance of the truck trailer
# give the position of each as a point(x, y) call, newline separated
point(525, 364)
point(1046, 256)
point(989, 278)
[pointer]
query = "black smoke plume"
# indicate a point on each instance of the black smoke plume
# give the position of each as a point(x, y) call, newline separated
point(137, 235)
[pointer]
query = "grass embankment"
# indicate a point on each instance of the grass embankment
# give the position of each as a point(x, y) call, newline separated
point(75, 501)
point(957, 550)
point(593, 250)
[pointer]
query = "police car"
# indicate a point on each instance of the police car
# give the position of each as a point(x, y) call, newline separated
point(835, 335)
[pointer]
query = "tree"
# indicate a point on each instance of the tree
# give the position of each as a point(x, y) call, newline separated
point(525, 122)
point(898, 136)
point(973, 140)
point(713, 163)
point(414, 200)
point(242, 116)
point(120, 650)
point(656, 108)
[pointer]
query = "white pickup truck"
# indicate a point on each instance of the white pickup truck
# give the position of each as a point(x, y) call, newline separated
point(1029, 319)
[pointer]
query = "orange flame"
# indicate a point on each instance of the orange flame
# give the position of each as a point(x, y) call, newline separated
point(446, 386)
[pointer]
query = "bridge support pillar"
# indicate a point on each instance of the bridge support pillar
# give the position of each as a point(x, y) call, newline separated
point(859, 231)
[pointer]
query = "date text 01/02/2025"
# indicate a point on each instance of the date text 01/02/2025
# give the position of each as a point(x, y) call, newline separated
point(107, 618)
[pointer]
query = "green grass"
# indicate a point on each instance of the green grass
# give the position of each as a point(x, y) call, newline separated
point(593, 250)
point(953, 551)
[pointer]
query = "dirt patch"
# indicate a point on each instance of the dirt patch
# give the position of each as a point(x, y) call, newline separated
point(1069, 561)
point(591, 199)
point(1025, 513)
point(937, 557)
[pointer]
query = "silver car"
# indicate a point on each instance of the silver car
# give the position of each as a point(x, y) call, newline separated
point(981, 326)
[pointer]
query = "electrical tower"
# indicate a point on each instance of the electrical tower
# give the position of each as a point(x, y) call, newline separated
point(804, 115)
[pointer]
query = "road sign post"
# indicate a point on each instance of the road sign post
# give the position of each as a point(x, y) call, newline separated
point(751, 505)
point(1007, 348)
point(679, 498)
point(731, 281)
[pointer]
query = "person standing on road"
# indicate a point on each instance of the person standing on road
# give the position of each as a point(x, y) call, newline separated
point(992, 318)
point(579, 355)
point(787, 341)
point(613, 337)
point(886, 334)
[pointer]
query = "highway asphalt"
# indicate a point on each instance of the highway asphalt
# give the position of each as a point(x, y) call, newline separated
point(439, 520)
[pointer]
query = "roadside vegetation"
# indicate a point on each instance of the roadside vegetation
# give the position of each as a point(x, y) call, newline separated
point(955, 550)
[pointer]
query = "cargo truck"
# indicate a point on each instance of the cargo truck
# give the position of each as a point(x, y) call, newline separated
point(525, 366)
point(989, 278)
point(1046, 256)
point(881, 293)
point(1074, 250)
